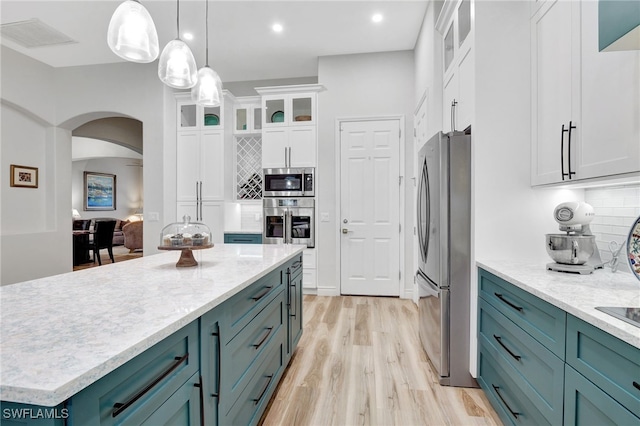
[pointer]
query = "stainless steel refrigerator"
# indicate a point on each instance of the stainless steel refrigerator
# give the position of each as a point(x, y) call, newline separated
point(444, 237)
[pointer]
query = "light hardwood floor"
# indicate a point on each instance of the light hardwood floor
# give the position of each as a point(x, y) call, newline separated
point(360, 362)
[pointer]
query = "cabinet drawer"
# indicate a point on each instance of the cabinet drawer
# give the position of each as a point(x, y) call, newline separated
point(244, 306)
point(181, 409)
point(243, 238)
point(511, 404)
point(587, 404)
point(539, 373)
point(611, 364)
point(543, 321)
point(252, 401)
point(294, 266)
point(141, 384)
point(243, 350)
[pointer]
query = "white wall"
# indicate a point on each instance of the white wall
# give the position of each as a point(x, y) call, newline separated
point(128, 186)
point(57, 101)
point(361, 85)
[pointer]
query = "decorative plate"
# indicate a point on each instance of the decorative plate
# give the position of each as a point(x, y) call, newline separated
point(211, 120)
point(633, 248)
point(277, 117)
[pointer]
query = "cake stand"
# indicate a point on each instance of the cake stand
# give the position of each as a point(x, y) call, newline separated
point(186, 257)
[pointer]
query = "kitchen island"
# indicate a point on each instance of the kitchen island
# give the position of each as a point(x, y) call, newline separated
point(546, 355)
point(65, 336)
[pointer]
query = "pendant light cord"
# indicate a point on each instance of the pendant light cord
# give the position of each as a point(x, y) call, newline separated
point(206, 32)
point(178, 17)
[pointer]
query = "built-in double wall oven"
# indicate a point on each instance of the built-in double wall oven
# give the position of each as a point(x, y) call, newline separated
point(289, 206)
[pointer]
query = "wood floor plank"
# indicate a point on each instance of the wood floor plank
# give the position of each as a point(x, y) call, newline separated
point(360, 362)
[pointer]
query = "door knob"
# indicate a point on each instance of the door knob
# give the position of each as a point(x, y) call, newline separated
point(345, 230)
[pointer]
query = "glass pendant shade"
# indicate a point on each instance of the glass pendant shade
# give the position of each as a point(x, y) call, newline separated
point(208, 91)
point(132, 34)
point(177, 67)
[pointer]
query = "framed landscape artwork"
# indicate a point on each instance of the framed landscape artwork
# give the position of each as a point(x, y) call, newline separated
point(24, 176)
point(99, 191)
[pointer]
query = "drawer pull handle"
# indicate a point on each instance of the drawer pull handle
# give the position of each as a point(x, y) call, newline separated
point(517, 308)
point(513, 413)
point(264, 390)
point(499, 340)
point(636, 385)
point(296, 264)
point(120, 407)
point(264, 338)
point(262, 294)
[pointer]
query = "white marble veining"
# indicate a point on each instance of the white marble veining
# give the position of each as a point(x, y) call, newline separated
point(576, 294)
point(62, 333)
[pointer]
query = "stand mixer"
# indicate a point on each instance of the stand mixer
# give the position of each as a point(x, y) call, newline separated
point(575, 251)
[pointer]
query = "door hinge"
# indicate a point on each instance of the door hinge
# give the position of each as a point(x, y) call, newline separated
point(414, 132)
point(399, 180)
point(399, 227)
point(399, 133)
point(400, 275)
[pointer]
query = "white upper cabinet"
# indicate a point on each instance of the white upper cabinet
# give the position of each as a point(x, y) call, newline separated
point(455, 25)
point(289, 118)
point(247, 115)
point(585, 103)
point(196, 117)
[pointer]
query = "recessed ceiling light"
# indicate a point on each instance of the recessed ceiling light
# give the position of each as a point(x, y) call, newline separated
point(187, 36)
point(277, 28)
point(377, 18)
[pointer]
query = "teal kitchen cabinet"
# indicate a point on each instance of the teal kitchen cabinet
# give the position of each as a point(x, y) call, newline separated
point(521, 340)
point(294, 304)
point(168, 372)
point(242, 238)
point(541, 365)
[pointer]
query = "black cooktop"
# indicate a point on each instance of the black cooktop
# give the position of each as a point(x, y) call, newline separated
point(630, 315)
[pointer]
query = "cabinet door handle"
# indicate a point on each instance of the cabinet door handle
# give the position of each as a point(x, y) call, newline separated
point(636, 385)
point(289, 156)
point(264, 338)
point(285, 157)
point(118, 407)
point(218, 357)
point(571, 127)
point(200, 201)
point(264, 390)
point(262, 294)
point(513, 413)
point(517, 308)
point(201, 397)
point(499, 340)
point(453, 115)
point(562, 151)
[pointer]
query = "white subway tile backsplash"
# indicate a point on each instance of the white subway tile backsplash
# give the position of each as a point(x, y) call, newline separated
point(616, 209)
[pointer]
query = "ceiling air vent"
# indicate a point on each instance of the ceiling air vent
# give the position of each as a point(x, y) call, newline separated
point(33, 33)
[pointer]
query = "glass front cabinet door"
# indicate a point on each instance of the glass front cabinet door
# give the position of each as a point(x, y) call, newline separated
point(196, 117)
point(247, 115)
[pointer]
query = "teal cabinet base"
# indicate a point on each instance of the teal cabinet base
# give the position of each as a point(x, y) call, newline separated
point(587, 404)
point(243, 238)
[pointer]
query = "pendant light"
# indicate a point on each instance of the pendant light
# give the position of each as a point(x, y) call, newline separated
point(132, 34)
point(177, 67)
point(208, 91)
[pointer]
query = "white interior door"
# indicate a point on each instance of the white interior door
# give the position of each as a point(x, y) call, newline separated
point(370, 207)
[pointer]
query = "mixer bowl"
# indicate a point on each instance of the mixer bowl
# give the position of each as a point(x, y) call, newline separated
point(570, 249)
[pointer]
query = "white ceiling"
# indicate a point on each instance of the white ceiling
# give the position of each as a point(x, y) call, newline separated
point(242, 46)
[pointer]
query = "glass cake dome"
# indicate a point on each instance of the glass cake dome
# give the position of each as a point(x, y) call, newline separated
point(185, 234)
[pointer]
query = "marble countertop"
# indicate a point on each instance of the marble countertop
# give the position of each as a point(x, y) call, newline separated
point(577, 294)
point(60, 334)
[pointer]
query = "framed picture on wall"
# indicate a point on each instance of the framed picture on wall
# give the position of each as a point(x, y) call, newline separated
point(99, 191)
point(24, 176)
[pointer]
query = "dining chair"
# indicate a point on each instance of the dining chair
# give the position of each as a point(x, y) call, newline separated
point(103, 238)
point(81, 224)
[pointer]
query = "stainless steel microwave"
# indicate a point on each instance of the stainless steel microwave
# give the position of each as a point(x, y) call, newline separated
point(288, 182)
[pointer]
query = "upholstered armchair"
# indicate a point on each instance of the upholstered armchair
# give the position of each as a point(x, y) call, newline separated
point(133, 236)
